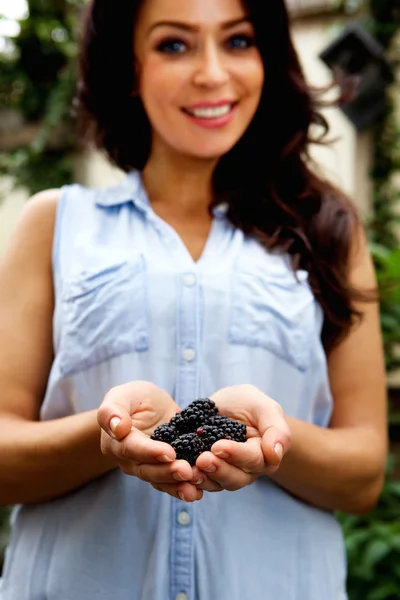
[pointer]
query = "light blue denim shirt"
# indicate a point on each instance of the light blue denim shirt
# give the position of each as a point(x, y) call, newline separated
point(132, 304)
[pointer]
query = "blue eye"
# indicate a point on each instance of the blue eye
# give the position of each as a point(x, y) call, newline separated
point(240, 42)
point(172, 47)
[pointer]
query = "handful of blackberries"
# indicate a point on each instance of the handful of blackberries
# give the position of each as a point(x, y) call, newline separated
point(196, 428)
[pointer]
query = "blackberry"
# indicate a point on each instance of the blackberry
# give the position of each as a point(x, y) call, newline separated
point(220, 428)
point(209, 434)
point(196, 428)
point(188, 447)
point(197, 413)
point(164, 433)
point(180, 424)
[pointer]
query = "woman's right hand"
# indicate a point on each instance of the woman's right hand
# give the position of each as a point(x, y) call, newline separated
point(128, 416)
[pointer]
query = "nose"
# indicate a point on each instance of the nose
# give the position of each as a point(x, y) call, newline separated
point(211, 69)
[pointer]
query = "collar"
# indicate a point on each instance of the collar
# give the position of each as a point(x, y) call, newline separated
point(131, 189)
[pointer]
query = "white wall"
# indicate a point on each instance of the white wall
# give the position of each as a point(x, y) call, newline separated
point(347, 161)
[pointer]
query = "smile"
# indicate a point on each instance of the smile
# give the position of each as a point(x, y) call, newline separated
point(210, 112)
point(211, 116)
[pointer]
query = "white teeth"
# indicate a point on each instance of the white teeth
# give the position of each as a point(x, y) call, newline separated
point(210, 113)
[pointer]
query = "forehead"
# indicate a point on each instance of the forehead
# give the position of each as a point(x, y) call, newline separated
point(196, 12)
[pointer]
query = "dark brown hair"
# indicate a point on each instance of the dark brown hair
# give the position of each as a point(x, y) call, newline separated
point(272, 191)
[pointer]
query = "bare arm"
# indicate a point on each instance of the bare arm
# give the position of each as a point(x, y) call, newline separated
point(38, 460)
point(343, 467)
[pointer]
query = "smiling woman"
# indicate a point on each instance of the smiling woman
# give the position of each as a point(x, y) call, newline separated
point(198, 73)
point(221, 267)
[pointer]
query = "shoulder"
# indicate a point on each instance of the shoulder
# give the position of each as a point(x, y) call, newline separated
point(40, 208)
point(35, 224)
point(30, 244)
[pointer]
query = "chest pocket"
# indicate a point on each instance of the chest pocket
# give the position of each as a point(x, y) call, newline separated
point(274, 311)
point(104, 314)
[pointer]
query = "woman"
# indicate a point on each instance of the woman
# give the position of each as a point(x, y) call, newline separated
point(221, 266)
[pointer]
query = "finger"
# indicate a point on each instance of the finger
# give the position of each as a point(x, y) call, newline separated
point(114, 414)
point(139, 448)
point(275, 443)
point(247, 456)
point(208, 485)
point(275, 432)
point(227, 476)
point(178, 472)
point(183, 491)
point(202, 482)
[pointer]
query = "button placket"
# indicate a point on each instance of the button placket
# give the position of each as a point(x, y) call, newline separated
point(187, 338)
point(186, 391)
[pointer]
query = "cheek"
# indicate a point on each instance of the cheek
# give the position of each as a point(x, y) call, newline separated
point(253, 76)
point(256, 78)
point(161, 84)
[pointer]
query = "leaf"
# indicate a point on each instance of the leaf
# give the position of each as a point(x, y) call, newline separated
point(376, 551)
point(387, 591)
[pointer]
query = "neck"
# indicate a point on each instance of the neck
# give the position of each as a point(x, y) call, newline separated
point(179, 184)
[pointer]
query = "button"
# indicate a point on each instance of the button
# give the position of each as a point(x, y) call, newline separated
point(189, 354)
point(183, 518)
point(181, 597)
point(189, 279)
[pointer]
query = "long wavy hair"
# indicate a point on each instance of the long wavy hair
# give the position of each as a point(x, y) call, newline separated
point(267, 179)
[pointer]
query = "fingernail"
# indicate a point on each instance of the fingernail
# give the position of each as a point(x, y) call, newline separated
point(279, 450)
point(178, 477)
point(165, 459)
point(181, 496)
point(221, 454)
point(199, 481)
point(210, 469)
point(114, 422)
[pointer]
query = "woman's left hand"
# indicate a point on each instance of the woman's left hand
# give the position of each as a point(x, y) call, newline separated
point(233, 465)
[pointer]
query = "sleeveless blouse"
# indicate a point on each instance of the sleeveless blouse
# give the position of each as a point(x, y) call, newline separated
point(132, 304)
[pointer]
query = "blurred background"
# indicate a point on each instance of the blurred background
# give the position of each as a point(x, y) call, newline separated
point(357, 39)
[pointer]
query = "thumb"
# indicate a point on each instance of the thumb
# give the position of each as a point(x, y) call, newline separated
point(114, 414)
point(274, 446)
point(275, 432)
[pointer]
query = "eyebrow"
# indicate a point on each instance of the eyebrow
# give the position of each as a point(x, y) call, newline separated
point(194, 28)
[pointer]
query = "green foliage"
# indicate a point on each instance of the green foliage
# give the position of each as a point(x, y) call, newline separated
point(373, 541)
point(373, 548)
point(38, 79)
point(387, 265)
point(384, 223)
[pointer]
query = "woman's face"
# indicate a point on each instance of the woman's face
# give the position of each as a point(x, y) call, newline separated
point(200, 74)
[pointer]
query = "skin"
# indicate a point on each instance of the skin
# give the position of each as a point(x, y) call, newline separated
point(341, 467)
point(208, 54)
